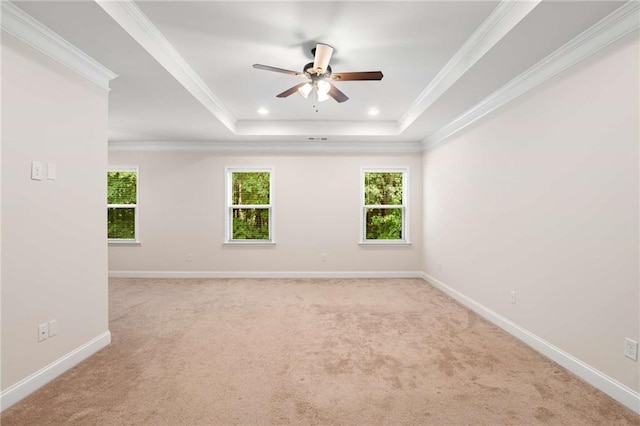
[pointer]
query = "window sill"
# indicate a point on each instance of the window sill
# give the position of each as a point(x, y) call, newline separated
point(384, 243)
point(249, 243)
point(124, 243)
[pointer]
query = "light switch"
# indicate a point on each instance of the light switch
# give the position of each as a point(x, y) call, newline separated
point(36, 170)
point(51, 171)
point(53, 328)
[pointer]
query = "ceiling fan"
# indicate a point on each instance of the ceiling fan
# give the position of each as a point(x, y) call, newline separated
point(319, 77)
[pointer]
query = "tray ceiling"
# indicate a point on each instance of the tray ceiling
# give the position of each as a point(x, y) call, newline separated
point(185, 68)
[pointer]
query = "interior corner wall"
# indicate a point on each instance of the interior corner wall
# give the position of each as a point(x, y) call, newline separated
point(316, 201)
point(541, 198)
point(54, 248)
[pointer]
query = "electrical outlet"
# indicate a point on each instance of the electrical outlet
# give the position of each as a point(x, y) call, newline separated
point(43, 332)
point(631, 349)
point(189, 257)
point(512, 297)
point(439, 266)
point(323, 256)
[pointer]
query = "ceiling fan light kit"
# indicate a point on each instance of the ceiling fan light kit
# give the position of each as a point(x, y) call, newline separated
point(305, 89)
point(320, 76)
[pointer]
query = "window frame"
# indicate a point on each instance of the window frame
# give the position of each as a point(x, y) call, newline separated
point(136, 207)
point(229, 206)
point(404, 207)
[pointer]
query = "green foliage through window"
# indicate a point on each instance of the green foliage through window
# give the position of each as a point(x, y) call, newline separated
point(250, 224)
point(383, 188)
point(122, 187)
point(122, 223)
point(122, 199)
point(248, 190)
point(384, 224)
point(384, 205)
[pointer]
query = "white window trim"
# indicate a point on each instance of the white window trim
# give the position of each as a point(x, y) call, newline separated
point(136, 240)
point(228, 206)
point(405, 207)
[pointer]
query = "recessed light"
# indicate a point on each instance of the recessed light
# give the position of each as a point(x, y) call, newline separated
point(263, 111)
point(374, 111)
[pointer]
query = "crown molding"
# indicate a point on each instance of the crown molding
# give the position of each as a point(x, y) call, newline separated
point(30, 31)
point(258, 147)
point(133, 20)
point(310, 127)
point(613, 27)
point(499, 23)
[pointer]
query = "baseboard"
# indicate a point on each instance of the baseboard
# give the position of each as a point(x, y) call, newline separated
point(268, 274)
point(30, 384)
point(621, 393)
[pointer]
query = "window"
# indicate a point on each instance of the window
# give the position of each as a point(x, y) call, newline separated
point(384, 206)
point(122, 204)
point(249, 212)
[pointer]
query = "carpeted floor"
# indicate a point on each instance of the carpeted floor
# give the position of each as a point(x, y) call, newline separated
point(312, 351)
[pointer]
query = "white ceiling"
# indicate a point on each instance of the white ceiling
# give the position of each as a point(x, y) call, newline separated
point(185, 68)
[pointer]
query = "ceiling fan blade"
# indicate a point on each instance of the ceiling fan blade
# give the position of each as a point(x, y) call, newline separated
point(291, 90)
point(270, 68)
point(362, 75)
point(322, 57)
point(336, 94)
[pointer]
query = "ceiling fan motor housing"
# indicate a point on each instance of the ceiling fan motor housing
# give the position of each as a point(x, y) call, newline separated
point(312, 72)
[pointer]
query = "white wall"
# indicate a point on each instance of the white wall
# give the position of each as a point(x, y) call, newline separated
point(54, 253)
point(316, 201)
point(542, 198)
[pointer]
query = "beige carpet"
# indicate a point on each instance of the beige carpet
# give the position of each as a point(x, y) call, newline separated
point(352, 352)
